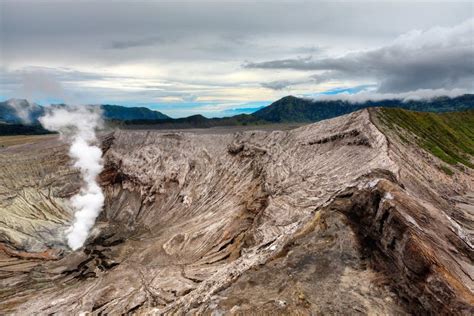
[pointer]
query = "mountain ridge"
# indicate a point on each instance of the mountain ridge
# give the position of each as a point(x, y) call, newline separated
point(294, 109)
point(21, 111)
point(289, 109)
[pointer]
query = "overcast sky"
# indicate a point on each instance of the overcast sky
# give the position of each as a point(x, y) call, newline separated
point(221, 58)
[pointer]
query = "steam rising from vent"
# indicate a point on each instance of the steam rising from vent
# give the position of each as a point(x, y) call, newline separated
point(77, 124)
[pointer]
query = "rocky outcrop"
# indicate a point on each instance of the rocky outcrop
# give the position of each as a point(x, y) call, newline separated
point(328, 218)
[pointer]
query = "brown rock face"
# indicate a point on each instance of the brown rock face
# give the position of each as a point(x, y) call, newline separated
point(337, 217)
point(36, 182)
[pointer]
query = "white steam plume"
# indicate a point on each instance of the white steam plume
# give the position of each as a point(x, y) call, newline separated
point(78, 125)
point(24, 109)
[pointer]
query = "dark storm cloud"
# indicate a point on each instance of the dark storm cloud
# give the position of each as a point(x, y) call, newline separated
point(433, 59)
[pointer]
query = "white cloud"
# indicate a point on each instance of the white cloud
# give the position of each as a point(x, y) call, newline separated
point(374, 96)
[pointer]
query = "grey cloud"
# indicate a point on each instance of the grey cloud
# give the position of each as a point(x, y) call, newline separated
point(311, 50)
point(236, 18)
point(277, 85)
point(326, 76)
point(300, 63)
point(433, 59)
point(40, 85)
point(46, 82)
point(68, 31)
point(60, 74)
point(189, 98)
point(285, 84)
point(124, 44)
point(70, 86)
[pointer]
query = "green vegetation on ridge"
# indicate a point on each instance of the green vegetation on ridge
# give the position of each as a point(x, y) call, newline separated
point(448, 136)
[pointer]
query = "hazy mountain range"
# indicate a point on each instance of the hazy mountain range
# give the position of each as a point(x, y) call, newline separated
point(18, 116)
point(20, 111)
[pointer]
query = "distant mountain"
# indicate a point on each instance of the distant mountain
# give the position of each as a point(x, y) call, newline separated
point(20, 111)
point(122, 113)
point(293, 109)
point(195, 121)
point(289, 109)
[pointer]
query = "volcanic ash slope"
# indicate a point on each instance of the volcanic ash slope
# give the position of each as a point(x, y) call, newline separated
point(337, 217)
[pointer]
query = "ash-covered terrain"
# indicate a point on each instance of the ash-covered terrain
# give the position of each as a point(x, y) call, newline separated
point(367, 213)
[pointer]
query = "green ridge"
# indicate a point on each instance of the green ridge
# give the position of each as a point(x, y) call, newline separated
point(448, 136)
